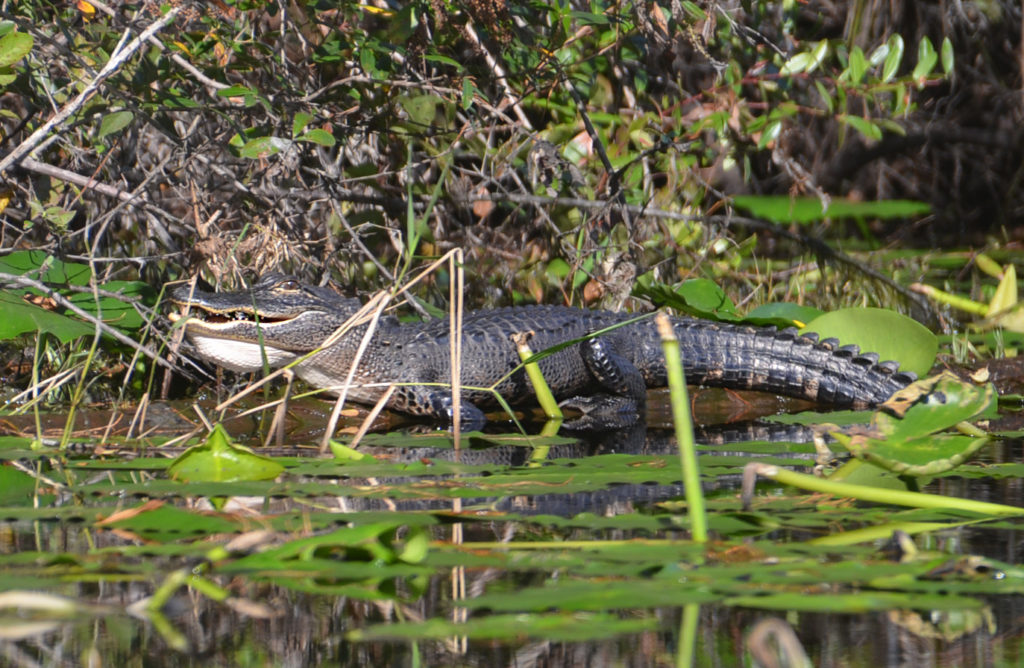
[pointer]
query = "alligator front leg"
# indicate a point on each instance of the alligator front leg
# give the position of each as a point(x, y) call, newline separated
point(436, 402)
point(626, 391)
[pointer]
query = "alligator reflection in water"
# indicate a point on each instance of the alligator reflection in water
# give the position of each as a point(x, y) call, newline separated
point(610, 500)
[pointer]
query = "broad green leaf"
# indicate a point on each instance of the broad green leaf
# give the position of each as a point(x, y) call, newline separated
point(910, 445)
point(114, 122)
point(21, 317)
point(916, 457)
point(13, 47)
point(116, 312)
point(946, 402)
point(220, 460)
point(160, 522)
point(791, 314)
point(891, 335)
point(699, 296)
point(54, 271)
point(892, 58)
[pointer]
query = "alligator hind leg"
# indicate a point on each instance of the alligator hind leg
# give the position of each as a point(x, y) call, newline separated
point(624, 386)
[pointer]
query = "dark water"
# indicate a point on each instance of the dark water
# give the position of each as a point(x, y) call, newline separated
point(309, 628)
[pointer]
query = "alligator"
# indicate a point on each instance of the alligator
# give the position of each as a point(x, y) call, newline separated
point(281, 320)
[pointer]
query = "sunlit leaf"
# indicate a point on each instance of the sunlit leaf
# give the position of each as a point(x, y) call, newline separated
point(1005, 295)
point(926, 59)
point(220, 460)
point(892, 58)
point(21, 317)
point(947, 55)
point(892, 335)
point(13, 47)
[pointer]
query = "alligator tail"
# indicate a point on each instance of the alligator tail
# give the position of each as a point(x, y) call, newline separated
point(786, 362)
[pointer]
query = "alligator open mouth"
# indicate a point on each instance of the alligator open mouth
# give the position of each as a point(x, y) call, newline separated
point(226, 317)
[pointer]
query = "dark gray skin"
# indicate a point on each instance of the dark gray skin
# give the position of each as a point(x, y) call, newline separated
point(295, 319)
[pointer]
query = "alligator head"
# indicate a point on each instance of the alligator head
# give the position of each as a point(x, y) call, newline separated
point(277, 320)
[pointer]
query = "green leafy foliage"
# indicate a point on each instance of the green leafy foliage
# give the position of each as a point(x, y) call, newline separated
point(29, 310)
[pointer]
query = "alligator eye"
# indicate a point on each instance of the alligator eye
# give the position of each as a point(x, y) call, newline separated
point(289, 285)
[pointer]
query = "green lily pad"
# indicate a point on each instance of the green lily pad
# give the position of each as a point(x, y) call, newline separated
point(891, 335)
point(910, 445)
point(220, 460)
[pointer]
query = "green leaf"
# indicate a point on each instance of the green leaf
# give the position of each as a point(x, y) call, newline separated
point(867, 128)
point(858, 65)
point(54, 271)
point(300, 122)
point(117, 312)
point(786, 209)
point(826, 98)
point(319, 136)
point(926, 59)
point(879, 55)
point(790, 314)
point(947, 56)
point(422, 109)
point(797, 64)
point(770, 133)
point(220, 460)
point(818, 55)
point(21, 317)
point(469, 91)
point(892, 335)
point(236, 91)
point(893, 58)
point(910, 445)
point(114, 122)
point(1005, 295)
point(13, 47)
point(262, 147)
point(700, 296)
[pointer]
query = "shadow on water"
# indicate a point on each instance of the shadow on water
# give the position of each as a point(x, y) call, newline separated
point(611, 498)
